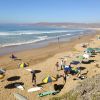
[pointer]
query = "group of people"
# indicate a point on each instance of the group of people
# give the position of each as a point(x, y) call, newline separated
point(59, 65)
point(62, 65)
point(68, 69)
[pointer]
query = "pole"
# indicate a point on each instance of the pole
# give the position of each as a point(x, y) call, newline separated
point(58, 41)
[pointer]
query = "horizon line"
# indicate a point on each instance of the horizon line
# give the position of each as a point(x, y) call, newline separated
point(49, 22)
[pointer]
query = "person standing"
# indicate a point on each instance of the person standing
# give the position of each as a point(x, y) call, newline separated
point(33, 77)
point(57, 65)
point(62, 64)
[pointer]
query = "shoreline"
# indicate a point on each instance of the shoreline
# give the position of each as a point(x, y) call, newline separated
point(37, 55)
point(40, 44)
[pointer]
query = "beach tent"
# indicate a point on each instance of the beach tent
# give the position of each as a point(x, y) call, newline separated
point(97, 50)
point(80, 58)
point(49, 79)
point(86, 56)
point(86, 61)
point(22, 65)
point(2, 76)
point(89, 50)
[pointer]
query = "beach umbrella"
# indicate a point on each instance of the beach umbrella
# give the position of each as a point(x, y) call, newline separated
point(49, 79)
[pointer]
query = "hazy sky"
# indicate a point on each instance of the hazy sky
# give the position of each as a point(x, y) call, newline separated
point(26, 11)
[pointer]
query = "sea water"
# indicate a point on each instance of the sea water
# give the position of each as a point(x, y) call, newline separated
point(16, 34)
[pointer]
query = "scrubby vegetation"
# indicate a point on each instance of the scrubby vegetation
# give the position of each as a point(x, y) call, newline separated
point(89, 89)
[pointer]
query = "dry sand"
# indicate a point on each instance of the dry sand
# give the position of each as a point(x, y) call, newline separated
point(44, 59)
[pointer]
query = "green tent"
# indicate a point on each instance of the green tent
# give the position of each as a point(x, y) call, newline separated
point(80, 58)
point(97, 50)
point(89, 50)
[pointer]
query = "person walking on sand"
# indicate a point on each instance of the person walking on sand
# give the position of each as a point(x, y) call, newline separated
point(33, 77)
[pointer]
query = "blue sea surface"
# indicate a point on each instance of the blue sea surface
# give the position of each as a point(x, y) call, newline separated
point(12, 34)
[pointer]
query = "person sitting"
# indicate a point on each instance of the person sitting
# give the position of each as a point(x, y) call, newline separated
point(13, 57)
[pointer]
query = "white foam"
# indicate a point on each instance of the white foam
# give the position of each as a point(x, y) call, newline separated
point(20, 43)
point(39, 38)
point(7, 33)
point(34, 32)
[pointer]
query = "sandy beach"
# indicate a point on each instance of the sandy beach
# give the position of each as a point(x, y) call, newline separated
point(43, 60)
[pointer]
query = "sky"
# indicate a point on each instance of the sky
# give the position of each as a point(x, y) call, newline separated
point(32, 11)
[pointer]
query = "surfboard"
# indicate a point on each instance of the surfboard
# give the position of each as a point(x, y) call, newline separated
point(19, 86)
point(2, 71)
point(19, 96)
point(28, 69)
point(34, 89)
point(48, 93)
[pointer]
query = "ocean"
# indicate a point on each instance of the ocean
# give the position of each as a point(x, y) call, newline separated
point(12, 34)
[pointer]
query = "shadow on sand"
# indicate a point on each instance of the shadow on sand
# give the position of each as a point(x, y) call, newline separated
point(88, 62)
point(82, 68)
point(41, 84)
point(12, 85)
point(14, 78)
point(37, 71)
point(58, 87)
